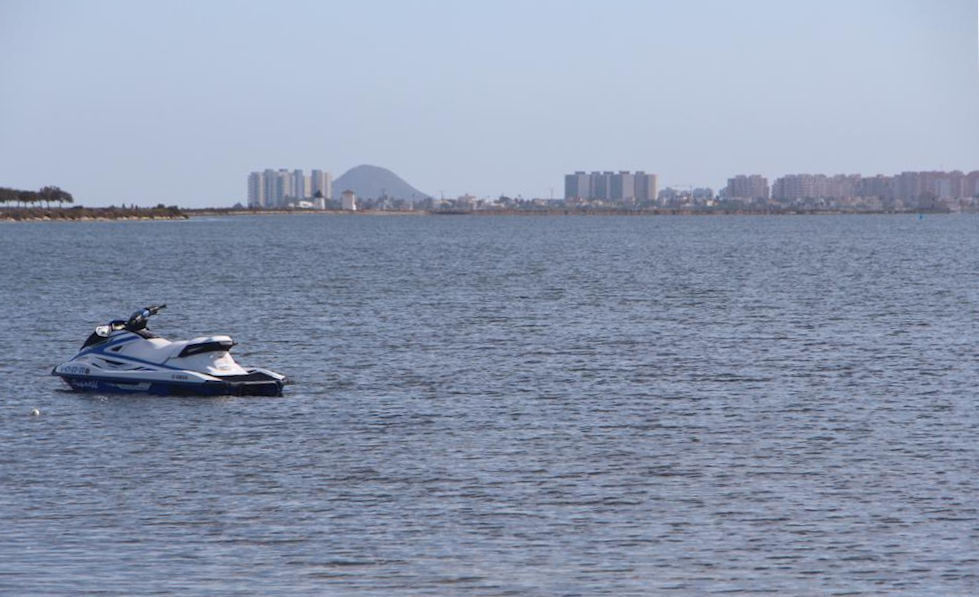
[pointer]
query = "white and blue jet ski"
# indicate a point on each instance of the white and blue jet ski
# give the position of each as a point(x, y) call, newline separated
point(123, 356)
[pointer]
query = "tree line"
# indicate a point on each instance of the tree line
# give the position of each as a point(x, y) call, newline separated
point(48, 195)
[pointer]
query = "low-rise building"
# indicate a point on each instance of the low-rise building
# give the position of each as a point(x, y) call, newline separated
point(348, 201)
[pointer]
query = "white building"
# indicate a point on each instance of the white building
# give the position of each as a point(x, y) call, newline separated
point(348, 201)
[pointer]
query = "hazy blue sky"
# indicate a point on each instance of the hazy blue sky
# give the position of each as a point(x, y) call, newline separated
point(177, 101)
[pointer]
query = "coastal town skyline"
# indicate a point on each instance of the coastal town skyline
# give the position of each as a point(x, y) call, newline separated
point(274, 189)
point(928, 190)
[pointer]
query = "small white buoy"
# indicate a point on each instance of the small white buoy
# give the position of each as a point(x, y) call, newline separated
point(35, 412)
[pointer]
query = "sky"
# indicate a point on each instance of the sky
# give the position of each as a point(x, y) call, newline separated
point(176, 102)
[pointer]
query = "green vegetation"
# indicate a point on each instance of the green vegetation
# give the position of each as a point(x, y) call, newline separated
point(19, 205)
point(79, 213)
point(48, 195)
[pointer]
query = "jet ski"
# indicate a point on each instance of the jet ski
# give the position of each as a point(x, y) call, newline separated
point(124, 356)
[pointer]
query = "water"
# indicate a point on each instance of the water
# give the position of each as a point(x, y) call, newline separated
point(503, 406)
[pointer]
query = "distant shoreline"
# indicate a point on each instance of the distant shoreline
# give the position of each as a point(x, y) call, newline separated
point(89, 214)
point(108, 214)
point(210, 212)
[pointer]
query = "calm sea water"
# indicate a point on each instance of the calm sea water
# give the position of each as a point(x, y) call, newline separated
point(503, 406)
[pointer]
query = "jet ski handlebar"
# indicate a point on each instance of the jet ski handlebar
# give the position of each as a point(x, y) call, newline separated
point(154, 309)
point(137, 320)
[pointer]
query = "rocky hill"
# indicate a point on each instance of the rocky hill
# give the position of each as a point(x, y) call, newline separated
point(371, 182)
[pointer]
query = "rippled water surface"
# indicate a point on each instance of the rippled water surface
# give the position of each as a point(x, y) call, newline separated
point(503, 406)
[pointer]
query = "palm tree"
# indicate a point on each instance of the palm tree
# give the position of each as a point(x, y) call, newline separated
point(63, 196)
point(7, 195)
point(47, 194)
point(53, 193)
point(27, 197)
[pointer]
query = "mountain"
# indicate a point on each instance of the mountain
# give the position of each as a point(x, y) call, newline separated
point(371, 182)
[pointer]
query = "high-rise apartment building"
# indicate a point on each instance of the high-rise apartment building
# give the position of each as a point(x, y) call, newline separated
point(297, 188)
point(879, 186)
point(970, 185)
point(813, 186)
point(321, 183)
point(754, 186)
point(272, 188)
point(911, 188)
point(620, 186)
point(256, 190)
point(645, 185)
point(938, 185)
point(280, 188)
point(577, 186)
point(601, 186)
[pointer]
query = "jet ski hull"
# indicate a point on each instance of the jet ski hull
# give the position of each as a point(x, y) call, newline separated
point(256, 385)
